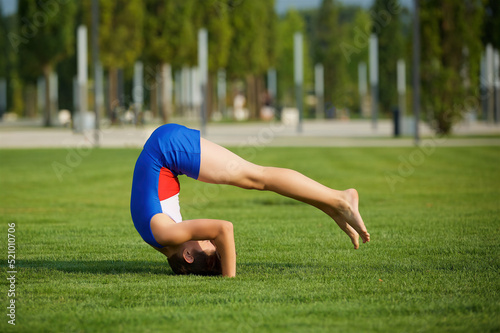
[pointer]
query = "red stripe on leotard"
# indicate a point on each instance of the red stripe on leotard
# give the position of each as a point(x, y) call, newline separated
point(168, 184)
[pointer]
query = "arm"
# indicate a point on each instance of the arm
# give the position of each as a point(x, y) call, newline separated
point(224, 242)
point(218, 231)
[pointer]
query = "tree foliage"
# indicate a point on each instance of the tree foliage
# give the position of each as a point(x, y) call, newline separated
point(169, 35)
point(47, 35)
point(252, 46)
point(247, 38)
point(287, 27)
point(120, 39)
point(329, 36)
point(451, 51)
point(388, 27)
point(3, 45)
point(252, 39)
point(491, 30)
point(215, 17)
point(357, 25)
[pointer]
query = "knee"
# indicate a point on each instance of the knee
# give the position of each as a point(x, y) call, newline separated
point(254, 179)
point(258, 179)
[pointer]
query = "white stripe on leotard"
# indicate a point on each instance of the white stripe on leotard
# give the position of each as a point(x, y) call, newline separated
point(172, 208)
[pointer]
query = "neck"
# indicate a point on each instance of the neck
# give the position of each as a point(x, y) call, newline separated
point(168, 251)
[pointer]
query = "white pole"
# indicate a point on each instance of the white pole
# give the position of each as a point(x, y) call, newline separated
point(489, 81)
point(221, 90)
point(298, 71)
point(401, 72)
point(496, 66)
point(99, 97)
point(54, 93)
point(272, 83)
point(82, 76)
point(3, 96)
point(362, 79)
point(195, 98)
point(401, 83)
point(298, 59)
point(138, 89)
point(362, 87)
point(374, 77)
point(203, 74)
point(401, 76)
point(319, 88)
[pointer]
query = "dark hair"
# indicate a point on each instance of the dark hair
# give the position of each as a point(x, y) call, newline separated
point(203, 264)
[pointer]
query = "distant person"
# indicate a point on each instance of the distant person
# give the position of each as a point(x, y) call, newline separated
point(206, 246)
point(267, 110)
point(240, 112)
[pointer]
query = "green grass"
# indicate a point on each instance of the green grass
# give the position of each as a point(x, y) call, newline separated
point(432, 266)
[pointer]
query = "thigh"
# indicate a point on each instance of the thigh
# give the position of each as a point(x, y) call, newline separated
point(221, 166)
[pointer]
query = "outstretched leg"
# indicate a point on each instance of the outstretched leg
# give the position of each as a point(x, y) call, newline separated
point(220, 166)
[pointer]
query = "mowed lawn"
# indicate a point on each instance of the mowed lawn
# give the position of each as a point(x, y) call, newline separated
point(433, 264)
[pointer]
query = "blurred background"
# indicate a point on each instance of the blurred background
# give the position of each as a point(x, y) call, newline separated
point(92, 63)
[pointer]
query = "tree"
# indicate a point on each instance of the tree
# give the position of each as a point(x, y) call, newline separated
point(252, 46)
point(388, 27)
point(215, 17)
point(287, 27)
point(121, 38)
point(170, 38)
point(171, 32)
point(451, 51)
point(46, 37)
point(4, 55)
point(9, 62)
point(329, 35)
point(355, 48)
point(492, 23)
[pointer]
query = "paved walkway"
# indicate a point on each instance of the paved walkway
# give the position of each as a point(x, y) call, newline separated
point(331, 133)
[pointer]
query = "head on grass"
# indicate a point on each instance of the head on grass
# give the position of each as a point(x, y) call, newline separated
point(197, 258)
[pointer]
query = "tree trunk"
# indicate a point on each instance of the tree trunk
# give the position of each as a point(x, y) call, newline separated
point(255, 86)
point(210, 96)
point(252, 107)
point(47, 69)
point(30, 101)
point(259, 87)
point(113, 95)
point(154, 99)
point(444, 123)
point(166, 88)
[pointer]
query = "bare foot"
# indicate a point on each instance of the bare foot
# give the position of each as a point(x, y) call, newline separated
point(352, 216)
point(353, 235)
point(346, 215)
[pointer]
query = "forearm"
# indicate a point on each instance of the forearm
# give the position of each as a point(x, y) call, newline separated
point(220, 232)
point(224, 243)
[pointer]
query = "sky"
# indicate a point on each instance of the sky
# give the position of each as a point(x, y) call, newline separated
point(8, 6)
point(283, 5)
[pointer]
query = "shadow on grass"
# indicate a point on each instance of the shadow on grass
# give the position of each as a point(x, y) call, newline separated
point(276, 267)
point(99, 266)
point(153, 267)
point(276, 202)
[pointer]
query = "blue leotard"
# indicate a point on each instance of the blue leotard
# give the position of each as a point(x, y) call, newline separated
point(170, 151)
